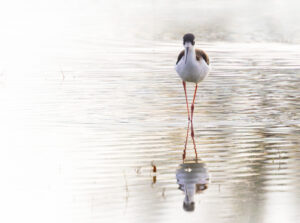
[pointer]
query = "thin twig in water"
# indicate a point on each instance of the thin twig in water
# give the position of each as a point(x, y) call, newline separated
point(126, 186)
point(163, 193)
point(127, 191)
point(62, 73)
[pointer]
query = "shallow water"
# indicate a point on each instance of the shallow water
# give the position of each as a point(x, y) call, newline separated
point(85, 118)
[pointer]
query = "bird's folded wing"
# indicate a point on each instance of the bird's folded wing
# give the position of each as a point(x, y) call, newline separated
point(180, 56)
point(201, 53)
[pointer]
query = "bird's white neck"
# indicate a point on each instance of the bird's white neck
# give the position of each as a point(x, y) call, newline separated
point(189, 193)
point(190, 54)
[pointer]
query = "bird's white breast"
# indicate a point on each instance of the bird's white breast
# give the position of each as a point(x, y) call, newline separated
point(193, 70)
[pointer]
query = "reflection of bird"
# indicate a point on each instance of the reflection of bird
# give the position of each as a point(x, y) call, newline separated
point(192, 66)
point(192, 178)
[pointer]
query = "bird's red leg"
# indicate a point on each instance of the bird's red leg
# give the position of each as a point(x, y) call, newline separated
point(192, 134)
point(185, 144)
point(193, 104)
point(187, 103)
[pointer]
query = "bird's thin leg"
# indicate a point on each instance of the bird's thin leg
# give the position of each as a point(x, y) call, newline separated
point(193, 138)
point(193, 104)
point(185, 143)
point(187, 103)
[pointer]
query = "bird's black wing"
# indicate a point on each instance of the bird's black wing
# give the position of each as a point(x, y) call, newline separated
point(180, 56)
point(201, 53)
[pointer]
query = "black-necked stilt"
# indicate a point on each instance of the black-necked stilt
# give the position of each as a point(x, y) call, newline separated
point(192, 66)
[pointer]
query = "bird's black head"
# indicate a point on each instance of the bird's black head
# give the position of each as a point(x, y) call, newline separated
point(189, 37)
point(189, 206)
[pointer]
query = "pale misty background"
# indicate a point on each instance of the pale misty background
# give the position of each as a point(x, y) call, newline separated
point(89, 99)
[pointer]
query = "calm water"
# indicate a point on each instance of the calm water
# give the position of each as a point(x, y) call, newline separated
point(93, 117)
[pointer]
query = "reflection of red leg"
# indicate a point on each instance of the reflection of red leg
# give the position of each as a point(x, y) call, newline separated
point(192, 126)
point(193, 138)
point(193, 104)
point(187, 103)
point(185, 144)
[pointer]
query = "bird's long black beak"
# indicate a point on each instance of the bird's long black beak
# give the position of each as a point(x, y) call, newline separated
point(187, 52)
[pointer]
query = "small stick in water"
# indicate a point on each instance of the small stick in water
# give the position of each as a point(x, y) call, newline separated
point(154, 169)
point(153, 166)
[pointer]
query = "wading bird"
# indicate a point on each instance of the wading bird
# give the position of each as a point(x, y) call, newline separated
point(192, 66)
